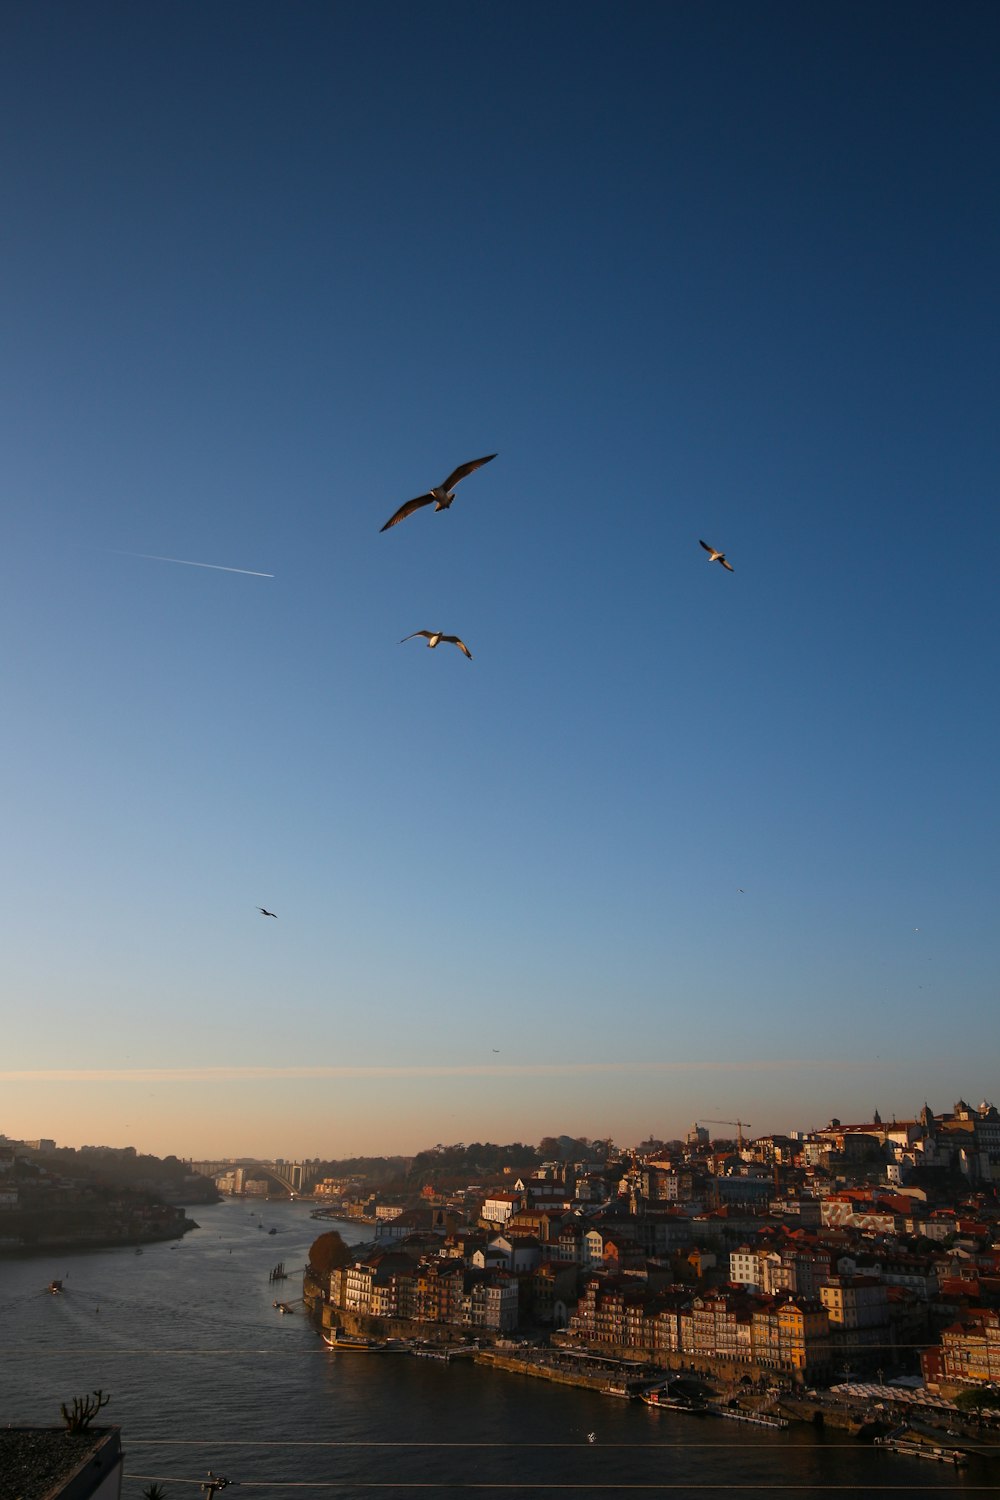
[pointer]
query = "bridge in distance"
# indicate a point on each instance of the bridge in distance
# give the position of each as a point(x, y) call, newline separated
point(293, 1176)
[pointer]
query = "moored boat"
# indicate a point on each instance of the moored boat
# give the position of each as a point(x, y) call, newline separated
point(355, 1342)
point(661, 1397)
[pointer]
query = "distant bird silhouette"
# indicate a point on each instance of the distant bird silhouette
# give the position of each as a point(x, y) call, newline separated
point(719, 557)
point(442, 496)
point(434, 636)
point(265, 913)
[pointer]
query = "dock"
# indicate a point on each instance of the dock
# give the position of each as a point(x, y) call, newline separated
point(912, 1447)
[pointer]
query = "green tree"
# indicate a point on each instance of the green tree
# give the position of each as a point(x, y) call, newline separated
point(976, 1400)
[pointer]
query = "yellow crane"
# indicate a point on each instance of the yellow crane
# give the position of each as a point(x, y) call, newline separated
point(739, 1128)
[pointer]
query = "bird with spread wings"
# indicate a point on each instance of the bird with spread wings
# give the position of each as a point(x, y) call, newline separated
point(442, 495)
point(435, 636)
point(719, 557)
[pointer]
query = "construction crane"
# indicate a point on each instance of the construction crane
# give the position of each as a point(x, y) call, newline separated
point(739, 1127)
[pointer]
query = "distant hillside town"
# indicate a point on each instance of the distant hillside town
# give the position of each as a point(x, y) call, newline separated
point(57, 1197)
point(866, 1250)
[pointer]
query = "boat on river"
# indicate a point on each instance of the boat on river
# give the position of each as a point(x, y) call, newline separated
point(357, 1343)
point(661, 1397)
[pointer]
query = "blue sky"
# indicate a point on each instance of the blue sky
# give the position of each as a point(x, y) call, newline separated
point(677, 842)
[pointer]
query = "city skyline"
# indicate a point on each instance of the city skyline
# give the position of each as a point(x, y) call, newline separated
point(357, 1142)
point(677, 841)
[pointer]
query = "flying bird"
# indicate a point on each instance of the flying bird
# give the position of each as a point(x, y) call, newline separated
point(434, 636)
point(719, 557)
point(265, 913)
point(442, 496)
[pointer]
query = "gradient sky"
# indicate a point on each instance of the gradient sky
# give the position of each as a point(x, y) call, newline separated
point(677, 843)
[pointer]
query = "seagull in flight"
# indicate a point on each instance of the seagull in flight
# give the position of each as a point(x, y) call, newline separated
point(434, 636)
point(442, 496)
point(265, 913)
point(719, 557)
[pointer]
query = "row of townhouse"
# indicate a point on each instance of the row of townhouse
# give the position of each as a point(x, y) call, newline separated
point(969, 1351)
point(569, 1238)
point(803, 1268)
point(788, 1269)
point(791, 1335)
point(856, 1304)
point(391, 1285)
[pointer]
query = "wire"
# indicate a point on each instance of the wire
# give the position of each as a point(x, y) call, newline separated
point(105, 1350)
point(465, 1484)
point(194, 1349)
point(421, 1443)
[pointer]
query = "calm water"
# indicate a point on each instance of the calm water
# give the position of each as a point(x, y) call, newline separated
point(203, 1373)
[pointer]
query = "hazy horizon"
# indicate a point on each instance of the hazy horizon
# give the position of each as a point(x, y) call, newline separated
point(369, 1138)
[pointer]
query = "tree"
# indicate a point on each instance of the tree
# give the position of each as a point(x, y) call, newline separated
point(328, 1253)
point(976, 1400)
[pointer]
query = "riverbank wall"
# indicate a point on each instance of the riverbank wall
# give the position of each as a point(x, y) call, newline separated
point(558, 1375)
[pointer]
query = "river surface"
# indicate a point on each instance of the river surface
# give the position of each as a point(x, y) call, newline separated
point(205, 1374)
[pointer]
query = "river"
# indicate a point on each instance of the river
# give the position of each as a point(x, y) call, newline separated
point(204, 1374)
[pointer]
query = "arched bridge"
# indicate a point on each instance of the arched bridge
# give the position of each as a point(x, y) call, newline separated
point(296, 1175)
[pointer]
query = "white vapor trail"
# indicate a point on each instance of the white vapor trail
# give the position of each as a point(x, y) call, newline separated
point(187, 563)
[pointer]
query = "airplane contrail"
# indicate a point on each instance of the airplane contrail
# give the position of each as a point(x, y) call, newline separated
point(187, 563)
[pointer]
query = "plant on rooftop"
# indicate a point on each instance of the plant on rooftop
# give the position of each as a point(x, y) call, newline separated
point(79, 1416)
point(154, 1491)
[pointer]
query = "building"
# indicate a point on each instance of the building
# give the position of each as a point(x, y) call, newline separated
point(498, 1208)
point(63, 1465)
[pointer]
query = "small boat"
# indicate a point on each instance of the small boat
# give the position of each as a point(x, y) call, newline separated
point(661, 1397)
point(55, 1287)
point(272, 1231)
point(138, 1250)
point(356, 1343)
